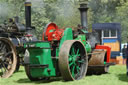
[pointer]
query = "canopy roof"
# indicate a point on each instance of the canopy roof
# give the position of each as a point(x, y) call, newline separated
point(103, 26)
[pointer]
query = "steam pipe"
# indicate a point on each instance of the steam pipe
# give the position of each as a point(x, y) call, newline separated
point(28, 15)
point(83, 11)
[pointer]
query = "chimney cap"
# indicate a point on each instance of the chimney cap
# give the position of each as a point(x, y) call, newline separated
point(83, 7)
point(28, 4)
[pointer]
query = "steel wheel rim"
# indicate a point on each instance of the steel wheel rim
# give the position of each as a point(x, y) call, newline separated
point(69, 65)
point(8, 58)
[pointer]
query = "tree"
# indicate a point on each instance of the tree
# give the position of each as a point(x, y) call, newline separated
point(122, 15)
point(65, 13)
point(103, 10)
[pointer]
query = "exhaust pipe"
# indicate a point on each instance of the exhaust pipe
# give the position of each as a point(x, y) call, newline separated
point(28, 15)
point(83, 11)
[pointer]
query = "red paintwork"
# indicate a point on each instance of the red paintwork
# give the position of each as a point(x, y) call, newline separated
point(56, 33)
point(106, 48)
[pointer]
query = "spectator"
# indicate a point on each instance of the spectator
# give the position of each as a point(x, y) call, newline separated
point(127, 59)
point(124, 51)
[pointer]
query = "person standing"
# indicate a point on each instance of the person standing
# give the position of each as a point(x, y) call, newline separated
point(124, 52)
point(127, 59)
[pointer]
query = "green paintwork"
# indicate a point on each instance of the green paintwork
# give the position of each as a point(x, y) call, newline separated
point(37, 44)
point(40, 56)
point(104, 62)
point(84, 31)
point(57, 52)
point(68, 35)
point(51, 31)
point(88, 47)
point(82, 38)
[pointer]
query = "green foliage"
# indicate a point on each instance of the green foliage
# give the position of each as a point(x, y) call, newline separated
point(39, 19)
point(65, 13)
point(122, 15)
point(10, 9)
point(105, 11)
point(68, 14)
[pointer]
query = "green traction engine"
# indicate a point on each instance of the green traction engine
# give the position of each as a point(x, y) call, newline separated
point(61, 53)
point(66, 57)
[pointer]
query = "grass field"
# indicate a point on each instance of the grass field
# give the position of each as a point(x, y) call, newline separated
point(116, 76)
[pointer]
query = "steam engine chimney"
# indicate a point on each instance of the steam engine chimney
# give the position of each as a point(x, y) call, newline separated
point(28, 15)
point(83, 11)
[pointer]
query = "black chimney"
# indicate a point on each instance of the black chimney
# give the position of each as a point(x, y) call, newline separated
point(83, 11)
point(28, 15)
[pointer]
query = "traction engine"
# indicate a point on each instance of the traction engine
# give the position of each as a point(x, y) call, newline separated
point(13, 35)
point(60, 54)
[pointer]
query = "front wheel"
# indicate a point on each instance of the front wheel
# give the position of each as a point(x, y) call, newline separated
point(28, 73)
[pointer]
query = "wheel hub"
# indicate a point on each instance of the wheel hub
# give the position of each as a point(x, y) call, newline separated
point(75, 58)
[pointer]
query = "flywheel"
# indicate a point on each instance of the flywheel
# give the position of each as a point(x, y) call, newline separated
point(50, 28)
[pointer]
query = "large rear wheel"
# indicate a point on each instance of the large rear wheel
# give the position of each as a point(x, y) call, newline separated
point(8, 58)
point(73, 60)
